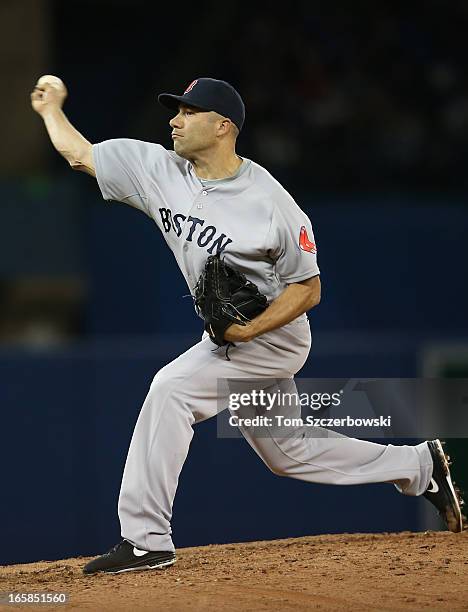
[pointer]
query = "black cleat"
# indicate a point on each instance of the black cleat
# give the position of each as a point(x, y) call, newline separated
point(125, 557)
point(441, 491)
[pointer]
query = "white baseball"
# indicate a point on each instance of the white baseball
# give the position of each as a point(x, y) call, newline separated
point(51, 80)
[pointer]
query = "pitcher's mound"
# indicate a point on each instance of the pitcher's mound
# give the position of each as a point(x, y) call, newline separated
point(398, 571)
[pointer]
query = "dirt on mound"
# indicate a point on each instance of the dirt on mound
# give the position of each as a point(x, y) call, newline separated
point(402, 571)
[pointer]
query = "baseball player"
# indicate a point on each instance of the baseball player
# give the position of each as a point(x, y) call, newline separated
point(207, 200)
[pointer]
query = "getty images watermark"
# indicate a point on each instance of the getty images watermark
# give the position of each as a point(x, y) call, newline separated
point(277, 400)
point(367, 408)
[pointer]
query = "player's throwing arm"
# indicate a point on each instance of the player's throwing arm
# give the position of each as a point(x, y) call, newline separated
point(47, 100)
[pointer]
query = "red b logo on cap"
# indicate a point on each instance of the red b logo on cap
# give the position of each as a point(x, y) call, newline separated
point(191, 86)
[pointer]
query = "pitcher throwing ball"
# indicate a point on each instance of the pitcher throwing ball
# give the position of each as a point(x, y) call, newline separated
point(214, 207)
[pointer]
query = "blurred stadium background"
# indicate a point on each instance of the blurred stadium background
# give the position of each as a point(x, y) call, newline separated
point(360, 110)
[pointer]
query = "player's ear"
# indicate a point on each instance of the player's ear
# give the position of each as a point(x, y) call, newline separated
point(222, 126)
point(226, 127)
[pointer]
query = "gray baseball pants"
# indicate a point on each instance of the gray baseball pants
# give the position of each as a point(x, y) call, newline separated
point(186, 391)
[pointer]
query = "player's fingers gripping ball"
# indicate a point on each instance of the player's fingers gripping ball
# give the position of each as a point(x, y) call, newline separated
point(48, 91)
point(224, 296)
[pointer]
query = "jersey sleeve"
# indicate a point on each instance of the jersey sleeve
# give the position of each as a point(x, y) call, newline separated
point(292, 244)
point(122, 169)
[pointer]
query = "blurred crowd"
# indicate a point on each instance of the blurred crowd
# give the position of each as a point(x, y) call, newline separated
point(339, 95)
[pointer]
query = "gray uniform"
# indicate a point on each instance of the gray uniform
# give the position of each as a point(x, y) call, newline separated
point(258, 227)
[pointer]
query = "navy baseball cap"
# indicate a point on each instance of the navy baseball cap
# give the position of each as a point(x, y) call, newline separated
point(209, 95)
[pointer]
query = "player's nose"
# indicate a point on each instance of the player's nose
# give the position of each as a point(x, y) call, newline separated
point(176, 121)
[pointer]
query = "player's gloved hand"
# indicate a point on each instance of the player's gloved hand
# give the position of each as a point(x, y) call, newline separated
point(49, 93)
point(224, 296)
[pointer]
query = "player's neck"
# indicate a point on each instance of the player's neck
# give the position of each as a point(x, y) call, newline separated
point(216, 167)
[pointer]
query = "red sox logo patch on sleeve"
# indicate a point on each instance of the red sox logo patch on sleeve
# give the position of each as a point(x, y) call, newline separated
point(191, 86)
point(305, 243)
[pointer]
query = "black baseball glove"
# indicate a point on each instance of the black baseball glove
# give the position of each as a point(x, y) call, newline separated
point(224, 296)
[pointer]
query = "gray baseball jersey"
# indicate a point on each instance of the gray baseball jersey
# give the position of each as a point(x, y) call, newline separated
point(249, 217)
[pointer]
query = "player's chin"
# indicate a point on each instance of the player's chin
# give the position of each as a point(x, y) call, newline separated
point(179, 148)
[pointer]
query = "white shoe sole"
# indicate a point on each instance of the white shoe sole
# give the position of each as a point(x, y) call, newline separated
point(142, 567)
point(455, 523)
